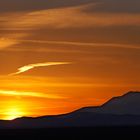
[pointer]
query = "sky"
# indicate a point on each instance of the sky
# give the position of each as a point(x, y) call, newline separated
point(60, 55)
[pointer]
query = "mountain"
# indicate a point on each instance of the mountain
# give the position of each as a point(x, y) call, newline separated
point(128, 104)
point(119, 111)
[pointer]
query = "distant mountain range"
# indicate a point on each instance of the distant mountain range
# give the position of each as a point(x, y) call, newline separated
point(119, 111)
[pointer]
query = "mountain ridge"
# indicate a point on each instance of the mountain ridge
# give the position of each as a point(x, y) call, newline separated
point(128, 103)
point(87, 116)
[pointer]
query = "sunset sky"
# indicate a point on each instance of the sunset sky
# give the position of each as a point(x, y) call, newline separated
point(60, 55)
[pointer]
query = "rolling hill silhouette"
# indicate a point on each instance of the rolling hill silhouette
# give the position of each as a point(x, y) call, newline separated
point(119, 111)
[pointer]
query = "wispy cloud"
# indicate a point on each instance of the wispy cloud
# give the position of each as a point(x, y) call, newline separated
point(71, 17)
point(67, 18)
point(7, 43)
point(91, 44)
point(32, 94)
point(31, 66)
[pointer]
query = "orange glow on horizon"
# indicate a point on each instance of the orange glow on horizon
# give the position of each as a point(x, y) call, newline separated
point(15, 105)
point(59, 56)
point(36, 96)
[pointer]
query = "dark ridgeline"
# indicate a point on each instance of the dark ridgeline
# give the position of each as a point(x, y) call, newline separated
point(118, 118)
point(119, 111)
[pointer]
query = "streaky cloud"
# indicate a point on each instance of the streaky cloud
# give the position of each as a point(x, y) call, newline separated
point(5, 43)
point(92, 44)
point(31, 94)
point(31, 66)
point(33, 5)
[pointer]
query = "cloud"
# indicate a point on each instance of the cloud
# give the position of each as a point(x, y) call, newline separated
point(28, 23)
point(32, 94)
point(10, 40)
point(28, 5)
point(116, 6)
point(7, 43)
point(31, 66)
point(71, 17)
point(91, 44)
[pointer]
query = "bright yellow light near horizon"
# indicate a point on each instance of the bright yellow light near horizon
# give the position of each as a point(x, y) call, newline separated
point(13, 113)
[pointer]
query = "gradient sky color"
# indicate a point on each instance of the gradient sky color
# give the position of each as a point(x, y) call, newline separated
point(95, 43)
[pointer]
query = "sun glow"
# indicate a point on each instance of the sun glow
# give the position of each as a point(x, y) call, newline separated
point(12, 110)
point(13, 113)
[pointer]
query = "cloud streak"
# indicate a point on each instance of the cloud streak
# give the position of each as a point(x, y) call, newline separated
point(92, 44)
point(5, 43)
point(31, 94)
point(25, 23)
point(31, 66)
point(71, 17)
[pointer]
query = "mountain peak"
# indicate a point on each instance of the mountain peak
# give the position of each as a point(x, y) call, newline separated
point(130, 93)
point(127, 104)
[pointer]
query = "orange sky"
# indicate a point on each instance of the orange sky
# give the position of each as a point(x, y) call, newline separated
point(58, 56)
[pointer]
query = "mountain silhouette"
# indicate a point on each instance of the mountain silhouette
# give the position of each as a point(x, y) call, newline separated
point(119, 111)
point(128, 104)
